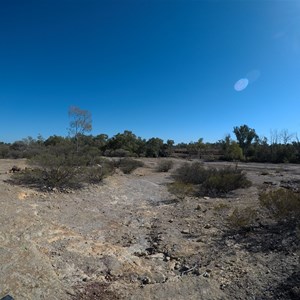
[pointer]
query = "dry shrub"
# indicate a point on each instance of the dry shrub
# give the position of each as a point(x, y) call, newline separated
point(62, 172)
point(283, 204)
point(181, 189)
point(96, 174)
point(242, 218)
point(194, 173)
point(212, 182)
point(96, 291)
point(164, 165)
point(128, 165)
point(221, 207)
point(220, 182)
point(60, 178)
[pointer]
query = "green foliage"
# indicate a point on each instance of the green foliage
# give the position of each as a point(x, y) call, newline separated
point(242, 218)
point(220, 182)
point(54, 140)
point(232, 151)
point(95, 174)
point(4, 150)
point(164, 165)
point(196, 148)
point(245, 136)
point(128, 165)
point(125, 144)
point(283, 204)
point(194, 173)
point(59, 177)
point(56, 168)
point(213, 182)
point(119, 153)
point(155, 147)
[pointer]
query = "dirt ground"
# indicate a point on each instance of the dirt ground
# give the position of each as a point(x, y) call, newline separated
point(129, 238)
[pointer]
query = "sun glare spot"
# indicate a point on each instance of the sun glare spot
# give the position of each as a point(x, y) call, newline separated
point(241, 84)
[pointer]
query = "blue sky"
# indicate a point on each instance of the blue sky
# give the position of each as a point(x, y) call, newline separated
point(158, 68)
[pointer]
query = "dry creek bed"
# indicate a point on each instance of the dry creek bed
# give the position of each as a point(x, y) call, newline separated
point(129, 238)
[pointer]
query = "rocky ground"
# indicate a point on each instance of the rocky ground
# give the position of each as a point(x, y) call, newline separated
point(129, 238)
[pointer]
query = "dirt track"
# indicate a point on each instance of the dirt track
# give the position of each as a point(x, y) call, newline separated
point(128, 238)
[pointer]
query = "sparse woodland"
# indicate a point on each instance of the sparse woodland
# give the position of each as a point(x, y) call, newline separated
point(195, 196)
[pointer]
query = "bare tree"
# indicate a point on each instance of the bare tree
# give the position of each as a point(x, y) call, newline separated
point(80, 123)
point(274, 137)
point(286, 137)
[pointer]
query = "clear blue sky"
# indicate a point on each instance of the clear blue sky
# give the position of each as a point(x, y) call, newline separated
point(162, 68)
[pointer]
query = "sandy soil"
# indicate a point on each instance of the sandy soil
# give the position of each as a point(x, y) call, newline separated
point(128, 238)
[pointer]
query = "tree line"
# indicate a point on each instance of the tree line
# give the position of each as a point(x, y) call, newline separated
point(282, 147)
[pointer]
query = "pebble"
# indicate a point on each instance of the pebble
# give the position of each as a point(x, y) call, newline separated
point(206, 275)
point(185, 231)
point(157, 256)
point(146, 280)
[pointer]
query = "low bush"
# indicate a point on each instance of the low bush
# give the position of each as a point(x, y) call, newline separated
point(194, 173)
point(212, 182)
point(96, 173)
point(164, 165)
point(48, 178)
point(128, 165)
point(220, 182)
point(181, 189)
point(62, 171)
point(282, 204)
point(120, 153)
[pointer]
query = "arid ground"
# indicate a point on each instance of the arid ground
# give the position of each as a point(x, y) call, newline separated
point(129, 238)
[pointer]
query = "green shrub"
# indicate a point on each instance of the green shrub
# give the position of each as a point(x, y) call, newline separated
point(281, 203)
point(48, 178)
point(164, 165)
point(213, 182)
point(30, 177)
point(128, 165)
point(220, 182)
point(93, 174)
point(119, 153)
point(63, 171)
point(193, 173)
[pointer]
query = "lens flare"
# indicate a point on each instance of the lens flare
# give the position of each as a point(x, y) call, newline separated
point(241, 84)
